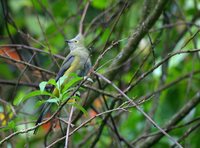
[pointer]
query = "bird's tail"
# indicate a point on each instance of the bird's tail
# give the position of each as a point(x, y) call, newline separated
point(44, 110)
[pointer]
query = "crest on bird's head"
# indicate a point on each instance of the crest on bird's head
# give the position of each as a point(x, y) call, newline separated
point(76, 42)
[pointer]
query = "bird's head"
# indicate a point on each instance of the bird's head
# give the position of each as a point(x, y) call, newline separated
point(76, 42)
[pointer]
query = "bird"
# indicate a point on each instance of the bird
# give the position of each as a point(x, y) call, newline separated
point(77, 61)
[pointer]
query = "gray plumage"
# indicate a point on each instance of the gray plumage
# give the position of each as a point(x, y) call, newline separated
point(77, 61)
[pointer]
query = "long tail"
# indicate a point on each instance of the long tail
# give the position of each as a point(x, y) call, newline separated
point(44, 110)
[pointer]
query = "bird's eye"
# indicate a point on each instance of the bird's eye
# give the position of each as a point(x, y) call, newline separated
point(76, 41)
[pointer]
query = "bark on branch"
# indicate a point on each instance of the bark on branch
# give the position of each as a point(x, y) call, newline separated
point(174, 120)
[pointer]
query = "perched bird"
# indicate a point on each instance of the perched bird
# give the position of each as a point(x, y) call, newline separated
point(77, 61)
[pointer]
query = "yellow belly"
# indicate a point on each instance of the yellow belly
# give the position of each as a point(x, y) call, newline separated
point(72, 69)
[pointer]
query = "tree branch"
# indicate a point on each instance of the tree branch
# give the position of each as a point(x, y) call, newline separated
point(128, 50)
point(138, 108)
point(174, 120)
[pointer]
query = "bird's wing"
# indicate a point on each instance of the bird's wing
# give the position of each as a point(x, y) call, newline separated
point(87, 66)
point(45, 109)
point(66, 64)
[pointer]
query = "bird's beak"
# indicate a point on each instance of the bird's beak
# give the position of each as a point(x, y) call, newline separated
point(68, 41)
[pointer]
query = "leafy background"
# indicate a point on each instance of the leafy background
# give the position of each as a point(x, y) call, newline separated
point(46, 24)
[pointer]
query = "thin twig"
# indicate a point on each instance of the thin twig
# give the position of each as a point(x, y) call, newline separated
point(20, 46)
point(45, 37)
point(188, 132)
point(66, 122)
point(7, 82)
point(170, 55)
point(191, 104)
point(83, 17)
point(68, 126)
point(38, 125)
point(138, 108)
point(86, 122)
point(99, 16)
point(166, 129)
point(28, 64)
point(10, 105)
point(101, 127)
point(21, 75)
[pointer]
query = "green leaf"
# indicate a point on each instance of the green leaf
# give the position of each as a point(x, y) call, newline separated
point(42, 85)
point(52, 82)
point(77, 98)
point(80, 108)
point(61, 80)
point(18, 98)
point(101, 4)
point(64, 96)
point(53, 100)
point(12, 125)
point(71, 83)
point(7, 128)
point(32, 94)
point(39, 103)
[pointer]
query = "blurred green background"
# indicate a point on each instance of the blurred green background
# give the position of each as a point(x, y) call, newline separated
point(46, 24)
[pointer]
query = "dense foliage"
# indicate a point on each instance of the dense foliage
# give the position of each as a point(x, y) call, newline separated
point(143, 52)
